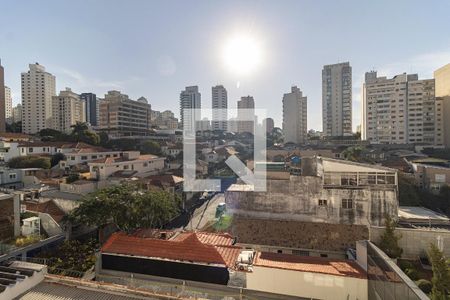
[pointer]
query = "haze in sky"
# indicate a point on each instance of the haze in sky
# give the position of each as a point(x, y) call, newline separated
point(260, 48)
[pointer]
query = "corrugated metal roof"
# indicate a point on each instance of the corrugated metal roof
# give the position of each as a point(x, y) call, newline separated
point(55, 291)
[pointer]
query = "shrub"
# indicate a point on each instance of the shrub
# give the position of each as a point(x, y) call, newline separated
point(22, 162)
point(412, 273)
point(424, 285)
point(72, 178)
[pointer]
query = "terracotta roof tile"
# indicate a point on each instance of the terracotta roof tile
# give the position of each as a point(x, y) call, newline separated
point(309, 264)
point(216, 239)
point(48, 207)
point(189, 248)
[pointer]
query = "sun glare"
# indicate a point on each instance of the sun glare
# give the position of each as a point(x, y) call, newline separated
point(242, 54)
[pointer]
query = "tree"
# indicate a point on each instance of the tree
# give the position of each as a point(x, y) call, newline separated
point(56, 158)
point(81, 133)
point(15, 127)
point(23, 162)
point(104, 139)
point(127, 207)
point(408, 190)
point(72, 178)
point(151, 147)
point(389, 240)
point(441, 274)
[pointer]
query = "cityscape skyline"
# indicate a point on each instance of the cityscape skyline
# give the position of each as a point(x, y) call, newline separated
point(160, 72)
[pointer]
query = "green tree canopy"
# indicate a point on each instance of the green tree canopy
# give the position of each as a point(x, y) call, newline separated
point(408, 190)
point(127, 207)
point(81, 133)
point(150, 147)
point(441, 274)
point(389, 240)
point(56, 158)
point(23, 162)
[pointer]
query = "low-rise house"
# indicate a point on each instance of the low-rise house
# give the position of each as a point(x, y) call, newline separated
point(188, 256)
point(82, 153)
point(148, 164)
point(431, 177)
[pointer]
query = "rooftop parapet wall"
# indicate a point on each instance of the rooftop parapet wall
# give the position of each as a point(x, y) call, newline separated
point(298, 199)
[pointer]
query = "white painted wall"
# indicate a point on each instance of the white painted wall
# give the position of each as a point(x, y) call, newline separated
point(306, 284)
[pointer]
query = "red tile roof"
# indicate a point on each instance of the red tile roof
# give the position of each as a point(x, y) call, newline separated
point(188, 249)
point(48, 207)
point(216, 239)
point(309, 264)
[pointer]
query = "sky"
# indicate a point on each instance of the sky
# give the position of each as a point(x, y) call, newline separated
point(156, 48)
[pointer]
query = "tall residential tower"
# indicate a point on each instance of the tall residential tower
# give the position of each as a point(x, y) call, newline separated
point(442, 79)
point(38, 88)
point(190, 98)
point(399, 110)
point(337, 99)
point(219, 108)
point(295, 116)
point(2, 98)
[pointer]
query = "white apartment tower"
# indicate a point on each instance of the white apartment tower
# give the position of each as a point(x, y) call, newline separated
point(245, 111)
point(295, 116)
point(219, 108)
point(399, 110)
point(68, 109)
point(38, 88)
point(337, 99)
point(8, 104)
point(190, 98)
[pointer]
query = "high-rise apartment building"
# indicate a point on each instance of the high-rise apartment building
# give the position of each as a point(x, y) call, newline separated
point(399, 110)
point(92, 108)
point(190, 98)
point(38, 88)
point(442, 82)
point(8, 105)
point(17, 113)
point(2, 99)
point(246, 107)
point(337, 99)
point(219, 108)
point(68, 109)
point(164, 120)
point(268, 124)
point(121, 116)
point(295, 116)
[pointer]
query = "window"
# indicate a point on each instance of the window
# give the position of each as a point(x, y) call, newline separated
point(72, 158)
point(83, 157)
point(347, 203)
point(323, 202)
point(300, 252)
point(279, 251)
point(323, 255)
point(12, 176)
point(30, 150)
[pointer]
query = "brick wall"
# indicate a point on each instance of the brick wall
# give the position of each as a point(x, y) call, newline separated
point(296, 234)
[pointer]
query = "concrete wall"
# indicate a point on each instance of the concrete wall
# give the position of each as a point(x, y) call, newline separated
point(415, 242)
point(306, 284)
point(298, 199)
point(50, 226)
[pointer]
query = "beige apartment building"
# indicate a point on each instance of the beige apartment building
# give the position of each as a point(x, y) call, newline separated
point(8, 104)
point(442, 81)
point(38, 88)
point(295, 116)
point(245, 107)
point(120, 116)
point(68, 109)
point(337, 99)
point(399, 110)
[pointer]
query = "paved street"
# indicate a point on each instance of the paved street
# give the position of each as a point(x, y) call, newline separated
point(205, 213)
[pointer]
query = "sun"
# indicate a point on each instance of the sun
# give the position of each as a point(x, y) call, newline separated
point(242, 54)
